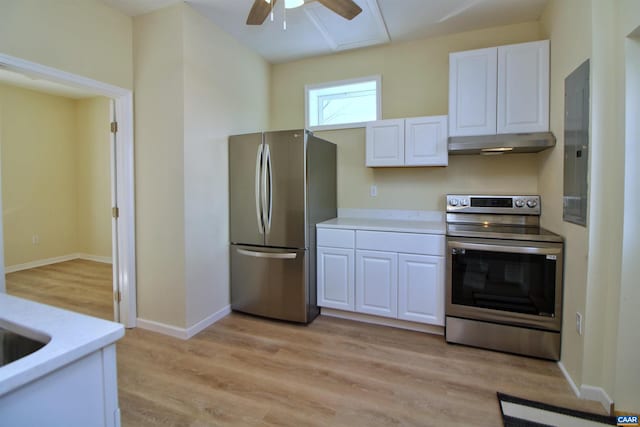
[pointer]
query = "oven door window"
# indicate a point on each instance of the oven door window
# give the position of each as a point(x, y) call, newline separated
point(515, 282)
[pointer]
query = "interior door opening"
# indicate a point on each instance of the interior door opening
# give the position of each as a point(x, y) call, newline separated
point(80, 163)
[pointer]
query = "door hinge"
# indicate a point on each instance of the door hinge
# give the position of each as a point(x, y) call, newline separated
point(115, 212)
point(117, 296)
point(114, 127)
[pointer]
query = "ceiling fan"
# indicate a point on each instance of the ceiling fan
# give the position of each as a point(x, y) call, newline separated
point(348, 9)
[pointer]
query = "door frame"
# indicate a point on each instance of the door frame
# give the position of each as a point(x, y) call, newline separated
point(124, 257)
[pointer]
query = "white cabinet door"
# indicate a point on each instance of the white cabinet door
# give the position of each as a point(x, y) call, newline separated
point(426, 141)
point(385, 143)
point(523, 87)
point(377, 283)
point(421, 289)
point(472, 92)
point(336, 278)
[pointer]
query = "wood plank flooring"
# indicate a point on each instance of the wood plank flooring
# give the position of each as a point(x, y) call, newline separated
point(246, 371)
point(78, 285)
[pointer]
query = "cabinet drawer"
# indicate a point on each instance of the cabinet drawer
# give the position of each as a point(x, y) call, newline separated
point(335, 238)
point(425, 244)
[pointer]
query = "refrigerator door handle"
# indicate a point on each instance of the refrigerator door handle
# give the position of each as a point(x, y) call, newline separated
point(275, 255)
point(270, 188)
point(258, 200)
point(266, 200)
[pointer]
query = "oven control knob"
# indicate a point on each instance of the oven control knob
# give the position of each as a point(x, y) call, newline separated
point(532, 203)
point(519, 203)
point(464, 202)
point(453, 202)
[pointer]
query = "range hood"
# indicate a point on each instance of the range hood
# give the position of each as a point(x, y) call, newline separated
point(501, 144)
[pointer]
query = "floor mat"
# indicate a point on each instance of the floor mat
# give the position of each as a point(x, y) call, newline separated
point(518, 412)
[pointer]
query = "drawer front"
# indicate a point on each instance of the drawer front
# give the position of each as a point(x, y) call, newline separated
point(335, 238)
point(411, 243)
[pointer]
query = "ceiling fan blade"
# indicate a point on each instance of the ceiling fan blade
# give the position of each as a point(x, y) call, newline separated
point(259, 12)
point(348, 9)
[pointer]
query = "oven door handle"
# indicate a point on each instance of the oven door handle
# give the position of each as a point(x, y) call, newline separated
point(491, 247)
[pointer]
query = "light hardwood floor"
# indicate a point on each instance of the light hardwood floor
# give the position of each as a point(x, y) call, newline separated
point(249, 371)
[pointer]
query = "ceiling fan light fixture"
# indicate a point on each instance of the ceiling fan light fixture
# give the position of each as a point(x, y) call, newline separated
point(290, 4)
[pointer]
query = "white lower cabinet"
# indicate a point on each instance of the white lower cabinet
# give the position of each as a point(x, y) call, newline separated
point(335, 278)
point(389, 274)
point(377, 283)
point(420, 290)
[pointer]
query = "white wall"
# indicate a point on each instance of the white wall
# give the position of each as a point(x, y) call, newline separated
point(627, 378)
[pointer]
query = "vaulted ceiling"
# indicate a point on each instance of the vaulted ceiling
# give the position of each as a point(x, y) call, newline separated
point(312, 29)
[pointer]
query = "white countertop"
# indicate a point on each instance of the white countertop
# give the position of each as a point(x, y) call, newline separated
point(73, 336)
point(378, 224)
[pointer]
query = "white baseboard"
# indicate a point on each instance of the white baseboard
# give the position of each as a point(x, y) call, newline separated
point(39, 263)
point(183, 333)
point(573, 385)
point(395, 323)
point(598, 394)
point(162, 328)
point(48, 261)
point(208, 321)
point(95, 258)
point(588, 392)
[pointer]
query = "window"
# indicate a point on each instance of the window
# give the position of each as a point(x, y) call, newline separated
point(343, 104)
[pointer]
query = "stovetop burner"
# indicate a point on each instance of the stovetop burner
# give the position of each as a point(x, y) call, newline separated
point(497, 217)
point(511, 232)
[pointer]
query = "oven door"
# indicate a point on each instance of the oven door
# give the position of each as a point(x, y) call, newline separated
point(505, 281)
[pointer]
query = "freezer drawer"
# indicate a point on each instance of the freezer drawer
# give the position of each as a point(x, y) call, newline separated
point(270, 282)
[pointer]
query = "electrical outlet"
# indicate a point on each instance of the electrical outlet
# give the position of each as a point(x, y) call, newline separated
point(35, 239)
point(373, 191)
point(579, 323)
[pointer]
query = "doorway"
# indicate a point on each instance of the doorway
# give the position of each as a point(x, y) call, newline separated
point(122, 201)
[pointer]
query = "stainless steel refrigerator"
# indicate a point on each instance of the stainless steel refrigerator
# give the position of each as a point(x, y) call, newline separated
point(281, 184)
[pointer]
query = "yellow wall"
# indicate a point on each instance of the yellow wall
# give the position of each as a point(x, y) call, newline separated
point(83, 37)
point(415, 81)
point(93, 175)
point(604, 285)
point(226, 92)
point(55, 175)
point(195, 85)
point(38, 175)
point(159, 130)
point(567, 24)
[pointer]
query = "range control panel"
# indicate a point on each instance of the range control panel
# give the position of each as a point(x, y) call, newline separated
point(519, 205)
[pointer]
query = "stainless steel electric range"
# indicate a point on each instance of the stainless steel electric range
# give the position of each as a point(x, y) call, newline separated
point(504, 276)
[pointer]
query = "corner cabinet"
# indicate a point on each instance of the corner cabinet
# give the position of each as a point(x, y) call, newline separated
point(396, 275)
point(416, 141)
point(497, 90)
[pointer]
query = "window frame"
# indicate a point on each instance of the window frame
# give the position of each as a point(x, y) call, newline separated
point(376, 78)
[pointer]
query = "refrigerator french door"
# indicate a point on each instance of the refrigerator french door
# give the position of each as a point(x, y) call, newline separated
point(274, 179)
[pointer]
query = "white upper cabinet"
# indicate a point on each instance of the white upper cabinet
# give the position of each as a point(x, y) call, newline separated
point(385, 142)
point(472, 92)
point(497, 90)
point(417, 141)
point(426, 141)
point(523, 87)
